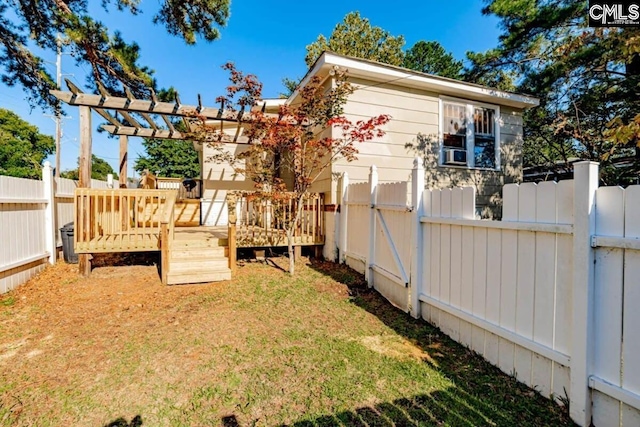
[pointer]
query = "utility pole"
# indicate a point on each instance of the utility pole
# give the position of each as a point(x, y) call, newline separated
point(58, 118)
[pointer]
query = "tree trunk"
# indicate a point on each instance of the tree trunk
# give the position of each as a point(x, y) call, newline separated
point(290, 233)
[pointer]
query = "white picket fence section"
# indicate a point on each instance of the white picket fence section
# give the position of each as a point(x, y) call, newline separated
point(550, 294)
point(615, 378)
point(31, 214)
point(502, 287)
point(357, 202)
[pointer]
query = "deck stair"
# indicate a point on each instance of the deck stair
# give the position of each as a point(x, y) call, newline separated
point(198, 256)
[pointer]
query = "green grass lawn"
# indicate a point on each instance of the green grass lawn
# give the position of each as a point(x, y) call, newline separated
point(317, 349)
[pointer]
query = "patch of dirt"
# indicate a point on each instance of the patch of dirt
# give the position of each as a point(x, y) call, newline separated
point(395, 347)
point(60, 328)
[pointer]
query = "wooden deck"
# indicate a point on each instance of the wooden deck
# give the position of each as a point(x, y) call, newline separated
point(150, 241)
point(123, 220)
point(187, 235)
point(121, 242)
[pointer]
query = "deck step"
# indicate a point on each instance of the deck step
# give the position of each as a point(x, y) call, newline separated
point(196, 265)
point(180, 278)
point(187, 252)
point(198, 255)
point(199, 243)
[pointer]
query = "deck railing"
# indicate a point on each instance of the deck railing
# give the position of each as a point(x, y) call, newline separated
point(120, 220)
point(260, 220)
point(195, 192)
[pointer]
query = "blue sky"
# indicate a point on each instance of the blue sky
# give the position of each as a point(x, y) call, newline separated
point(263, 38)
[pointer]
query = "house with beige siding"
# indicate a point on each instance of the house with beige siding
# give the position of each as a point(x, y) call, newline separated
point(468, 135)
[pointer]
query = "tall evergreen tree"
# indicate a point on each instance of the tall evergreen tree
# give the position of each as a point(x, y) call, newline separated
point(113, 61)
point(430, 57)
point(100, 168)
point(355, 36)
point(22, 147)
point(169, 158)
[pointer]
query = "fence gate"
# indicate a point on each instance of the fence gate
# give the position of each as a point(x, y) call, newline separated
point(390, 260)
point(376, 235)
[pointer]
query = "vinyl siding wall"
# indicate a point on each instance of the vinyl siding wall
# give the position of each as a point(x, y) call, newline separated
point(413, 130)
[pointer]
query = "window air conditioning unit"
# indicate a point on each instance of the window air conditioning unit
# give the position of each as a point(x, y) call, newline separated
point(455, 157)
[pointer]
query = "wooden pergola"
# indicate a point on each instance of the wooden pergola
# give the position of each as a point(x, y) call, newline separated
point(129, 116)
point(123, 220)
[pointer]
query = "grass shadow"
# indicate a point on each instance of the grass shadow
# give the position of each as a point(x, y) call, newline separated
point(435, 409)
point(230, 421)
point(122, 422)
point(121, 259)
point(483, 394)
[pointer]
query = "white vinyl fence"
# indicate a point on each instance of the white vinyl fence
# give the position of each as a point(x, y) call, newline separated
point(550, 294)
point(31, 214)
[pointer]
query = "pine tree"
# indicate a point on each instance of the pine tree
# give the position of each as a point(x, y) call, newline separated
point(355, 36)
point(588, 80)
point(430, 57)
point(112, 60)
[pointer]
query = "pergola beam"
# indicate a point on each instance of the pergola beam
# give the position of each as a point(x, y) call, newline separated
point(165, 134)
point(143, 106)
point(125, 124)
point(144, 132)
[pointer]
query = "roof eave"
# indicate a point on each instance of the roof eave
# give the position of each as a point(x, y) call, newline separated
point(399, 76)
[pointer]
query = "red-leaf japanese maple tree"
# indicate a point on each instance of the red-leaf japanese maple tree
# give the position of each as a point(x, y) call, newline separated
point(301, 141)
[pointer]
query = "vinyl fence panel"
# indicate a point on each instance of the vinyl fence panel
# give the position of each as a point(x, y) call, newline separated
point(23, 250)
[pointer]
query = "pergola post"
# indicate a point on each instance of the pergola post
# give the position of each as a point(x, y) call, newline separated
point(84, 175)
point(124, 140)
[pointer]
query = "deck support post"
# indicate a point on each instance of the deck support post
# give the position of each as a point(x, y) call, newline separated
point(124, 142)
point(164, 252)
point(84, 175)
point(231, 207)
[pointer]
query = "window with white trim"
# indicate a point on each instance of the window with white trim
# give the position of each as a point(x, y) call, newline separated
point(470, 134)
